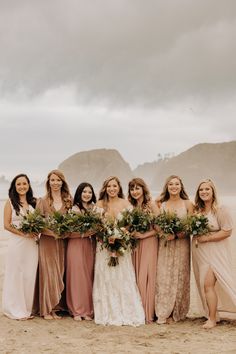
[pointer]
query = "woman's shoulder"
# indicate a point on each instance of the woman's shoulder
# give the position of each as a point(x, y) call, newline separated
point(8, 205)
point(76, 208)
point(99, 204)
point(188, 204)
point(222, 209)
point(154, 207)
point(125, 203)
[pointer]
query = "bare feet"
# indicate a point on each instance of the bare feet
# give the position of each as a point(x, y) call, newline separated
point(88, 318)
point(26, 318)
point(170, 320)
point(55, 316)
point(209, 324)
point(77, 318)
point(161, 321)
point(48, 317)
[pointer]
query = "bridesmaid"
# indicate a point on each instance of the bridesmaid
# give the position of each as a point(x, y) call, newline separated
point(22, 255)
point(212, 258)
point(80, 260)
point(51, 250)
point(173, 264)
point(145, 254)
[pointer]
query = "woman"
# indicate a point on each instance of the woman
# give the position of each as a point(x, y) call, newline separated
point(211, 259)
point(115, 294)
point(22, 256)
point(145, 254)
point(80, 260)
point(173, 264)
point(51, 250)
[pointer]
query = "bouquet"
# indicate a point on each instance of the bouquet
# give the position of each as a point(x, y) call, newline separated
point(196, 225)
point(169, 223)
point(90, 220)
point(32, 222)
point(61, 224)
point(116, 240)
point(136, 220)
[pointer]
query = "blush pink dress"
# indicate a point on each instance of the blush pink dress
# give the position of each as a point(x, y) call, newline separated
point(79, 275)
point(144, 259)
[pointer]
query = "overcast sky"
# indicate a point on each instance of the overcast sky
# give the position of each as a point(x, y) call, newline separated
point(140, 76)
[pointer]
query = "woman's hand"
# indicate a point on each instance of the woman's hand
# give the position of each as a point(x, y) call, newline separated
point(203, 238)
point(88, 233)
point(137, 234)
point(181, 234)
point(170, 237)
point(31, 235)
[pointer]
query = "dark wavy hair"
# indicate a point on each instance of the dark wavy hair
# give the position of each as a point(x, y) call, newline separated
point(146, 193)
point(165, 195)
point(14, 196)
point(78, 195)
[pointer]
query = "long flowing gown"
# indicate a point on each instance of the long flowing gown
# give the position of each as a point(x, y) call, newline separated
point(173, 276)
point(79, 275)
point(20, 273)
point(51, 266)
point(116, 296)
point(217, 256)
point(145, 265)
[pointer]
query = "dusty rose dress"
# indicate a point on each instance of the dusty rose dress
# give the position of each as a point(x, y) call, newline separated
point(51, 267)
point(217, 256)
point(144, 259)
point(79, 275)
point(173, 277)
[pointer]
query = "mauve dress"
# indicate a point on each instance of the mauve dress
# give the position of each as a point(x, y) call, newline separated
point(79, 275)
point(144, 259)
point(51, 266)
point(173, 276)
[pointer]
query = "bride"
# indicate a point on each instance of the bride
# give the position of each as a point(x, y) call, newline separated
point(115, 294)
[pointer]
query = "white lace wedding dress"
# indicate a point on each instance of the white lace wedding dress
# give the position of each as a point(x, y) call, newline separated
point(116, 297)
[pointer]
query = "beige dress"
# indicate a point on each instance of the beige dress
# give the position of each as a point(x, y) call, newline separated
point(20, 272)
point(217, 256)
point(173, 277)
point(51, 266)
point(144, 259)
point(80, 274)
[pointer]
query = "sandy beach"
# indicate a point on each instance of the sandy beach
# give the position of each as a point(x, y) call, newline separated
point(68, 336)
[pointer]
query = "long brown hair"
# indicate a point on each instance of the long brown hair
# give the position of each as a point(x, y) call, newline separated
point(165, 195)
point(199, 203)
point(146, 193)
point(65, 192)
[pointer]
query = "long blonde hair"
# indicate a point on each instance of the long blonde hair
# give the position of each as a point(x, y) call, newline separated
point(165, 195)
point(65, 192)
point(103, 192)
point(199, 203)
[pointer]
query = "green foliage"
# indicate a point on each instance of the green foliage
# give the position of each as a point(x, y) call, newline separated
point(136, 220)
point(32, 222)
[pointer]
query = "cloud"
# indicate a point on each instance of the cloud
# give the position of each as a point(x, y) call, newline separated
point(119, 53)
